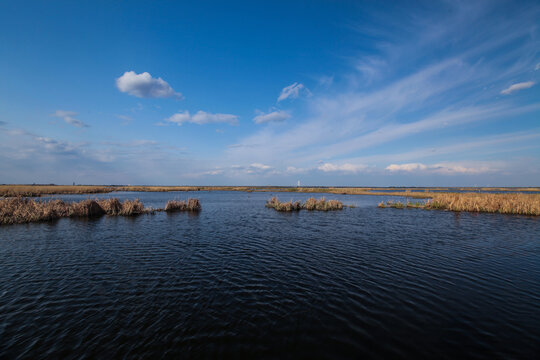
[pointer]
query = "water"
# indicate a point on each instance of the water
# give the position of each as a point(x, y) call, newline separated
point(240, 280)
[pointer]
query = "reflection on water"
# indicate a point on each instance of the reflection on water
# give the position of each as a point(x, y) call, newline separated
point(242, 280)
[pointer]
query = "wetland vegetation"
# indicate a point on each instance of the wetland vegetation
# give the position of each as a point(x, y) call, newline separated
point(310, 204)
point(522, 204)
point(17, 210)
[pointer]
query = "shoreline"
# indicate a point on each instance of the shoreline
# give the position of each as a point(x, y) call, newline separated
point(412, 192)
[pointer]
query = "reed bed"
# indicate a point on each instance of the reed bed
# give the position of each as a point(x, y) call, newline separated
point(311, 204)
point(180, 205)
point(38, 190)
point(519, 204)
point(24, 210)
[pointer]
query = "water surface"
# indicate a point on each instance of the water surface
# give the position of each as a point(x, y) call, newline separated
point(242, 280)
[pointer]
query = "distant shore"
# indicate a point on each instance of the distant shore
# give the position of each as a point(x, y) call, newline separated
point(412, 192)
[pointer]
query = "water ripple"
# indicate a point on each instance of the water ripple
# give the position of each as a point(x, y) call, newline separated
point(245, 281)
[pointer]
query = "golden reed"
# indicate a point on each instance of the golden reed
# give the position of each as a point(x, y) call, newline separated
point(311, 204)
point(38, 190)
point(19, 210)
point(520, 204)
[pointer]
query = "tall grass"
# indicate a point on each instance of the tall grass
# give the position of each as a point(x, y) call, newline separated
point(24, 210)
point(311, 204)
point(522, 204)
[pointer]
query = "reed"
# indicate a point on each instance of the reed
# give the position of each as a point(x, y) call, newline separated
point(19, 210)
point(419, 193)
point(311, 204)
point(38, 190)
point(274, 203)
point(519, 204)
point(177, 205)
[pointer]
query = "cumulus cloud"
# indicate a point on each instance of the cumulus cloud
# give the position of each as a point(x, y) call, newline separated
point(274, 116)
point(516, 87)
point(69, 118)
point(202, 117)
point(347, 168)
point(442, 168)
point(292, 91)
point(143, 85)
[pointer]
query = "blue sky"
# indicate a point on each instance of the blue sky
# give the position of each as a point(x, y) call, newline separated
point(270, 93)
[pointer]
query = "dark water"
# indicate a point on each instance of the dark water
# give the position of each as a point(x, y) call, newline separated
point(240, 280)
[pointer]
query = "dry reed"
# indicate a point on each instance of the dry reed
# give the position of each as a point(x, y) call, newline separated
point(520, 204)
point(176, 205)
point(311, 204)
point(38, 190)
point(19, 210)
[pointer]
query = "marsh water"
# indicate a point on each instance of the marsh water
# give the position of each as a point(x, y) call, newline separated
point(241, 280)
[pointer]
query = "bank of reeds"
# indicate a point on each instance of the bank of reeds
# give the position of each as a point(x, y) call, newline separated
point(180, 205)
point(39, 190)
point(520, 204)
point(24, 210)
point(311, 204)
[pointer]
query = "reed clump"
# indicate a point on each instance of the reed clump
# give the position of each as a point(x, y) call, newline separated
point(180, 205)
point(524, 204)
point(18, 210)
point(311, 204)
point(274, 203)
point(519, 204)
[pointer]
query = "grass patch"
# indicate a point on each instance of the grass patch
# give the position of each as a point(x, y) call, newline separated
point(20, 210)
point(311, 204)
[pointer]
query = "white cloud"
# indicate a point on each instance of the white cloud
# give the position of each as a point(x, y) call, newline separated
point(406, 167)
point(274, 116)
point(537, 67)
point(292, 91)
point(202, 117)
point(69, 118)
point(441, 168)
point(295, 170)
point(516, 87)
point(143, 85)
point(347, 168)
point(260, 166)
point(253, 168)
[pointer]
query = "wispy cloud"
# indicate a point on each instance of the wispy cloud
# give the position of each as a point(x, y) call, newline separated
point(69, 118)
point(28, 157)
point(143, 85)
point(254, 168)
point(441, 168)
point(274, 116)
point(517, 87)
point(347, 168)
point(126, 119)
point(202, 117)
point(292, 91)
